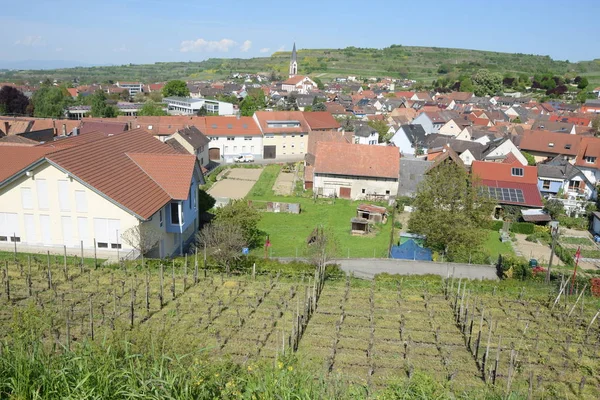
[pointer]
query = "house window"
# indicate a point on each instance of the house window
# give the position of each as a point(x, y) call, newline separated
point(573, 184)
point(387, 192)
point(15, 239)
point(230, 138)
point(363, 191)
point(517, 172)
point(550, 144)
point(567, 146)
point(247, 137)
point(160, 217)
point(102, 245)
point(589, 160)
point(115, 245)
point(546, 185)
point(175, 216)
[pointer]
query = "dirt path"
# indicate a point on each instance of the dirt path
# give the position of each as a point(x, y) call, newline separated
point(236, 185)
point(535, 250)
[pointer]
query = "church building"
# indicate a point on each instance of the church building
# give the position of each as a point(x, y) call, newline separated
point(297, 83)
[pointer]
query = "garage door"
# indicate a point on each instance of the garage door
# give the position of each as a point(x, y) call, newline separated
point(214, 154)
point(269, 152)
point(345, 192)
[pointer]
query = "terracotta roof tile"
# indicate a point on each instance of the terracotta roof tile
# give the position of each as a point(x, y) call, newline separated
point(103, 126)
point(321, 120)
point(357, 159)
point(104, 165)
point(73, 141)
point(14, 159)
point(264, 116)
point(550, 142)
point(230, 126)
point(15, 140)
point(503, 172)
point(294, 80)
point(172, 172)
point(589, 147)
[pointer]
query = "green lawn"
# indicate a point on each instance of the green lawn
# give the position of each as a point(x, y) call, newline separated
point(494, 246)
point(54, 258)
point(288, 232)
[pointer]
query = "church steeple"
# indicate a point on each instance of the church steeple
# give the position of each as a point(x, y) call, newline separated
point(293, 63)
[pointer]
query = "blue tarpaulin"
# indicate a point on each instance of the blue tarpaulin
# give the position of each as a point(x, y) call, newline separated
point(410, 250)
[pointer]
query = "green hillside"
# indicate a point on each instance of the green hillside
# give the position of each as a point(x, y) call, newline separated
point(420, 63)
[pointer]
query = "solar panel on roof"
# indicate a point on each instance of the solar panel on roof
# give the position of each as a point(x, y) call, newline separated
point(507, 194)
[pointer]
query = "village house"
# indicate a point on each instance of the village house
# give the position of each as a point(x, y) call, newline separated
point(86, 191)
point(355, 171)
point(410, 139)
point(285, 133)
point(509, 183)
point(190, 140)
point(231, 137)
point(544, 145)
point(559, 177)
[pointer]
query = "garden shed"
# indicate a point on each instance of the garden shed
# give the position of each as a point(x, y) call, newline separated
point(360, 226)
point(373, 214)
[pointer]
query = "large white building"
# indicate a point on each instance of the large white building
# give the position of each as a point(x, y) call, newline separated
point(133, 87)
point(87, 190)
point(191, 106)
point(356, 171)
point(231, 137)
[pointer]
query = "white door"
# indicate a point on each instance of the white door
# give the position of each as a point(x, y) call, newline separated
point(45, 229)
point(114, 233)
point(82, 230)
point(9, 226)
point(67, 231)
point(30, 236)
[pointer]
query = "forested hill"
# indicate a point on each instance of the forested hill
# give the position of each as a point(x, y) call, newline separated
point(420, 63)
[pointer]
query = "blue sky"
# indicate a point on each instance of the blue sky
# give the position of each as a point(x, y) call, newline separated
point(145, 31)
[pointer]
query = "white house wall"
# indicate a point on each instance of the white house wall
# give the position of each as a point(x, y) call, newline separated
point(232, 146)
point(331, 186)
point(81, 206)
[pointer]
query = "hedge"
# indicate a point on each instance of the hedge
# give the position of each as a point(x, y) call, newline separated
point(526, 228)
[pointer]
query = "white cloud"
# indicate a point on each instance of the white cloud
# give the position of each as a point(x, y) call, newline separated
point(59, 49)
point(121, 49)
point(31, 41)
point(264, 50)
point(282, 48)
point(222, 45)
point(246, 46)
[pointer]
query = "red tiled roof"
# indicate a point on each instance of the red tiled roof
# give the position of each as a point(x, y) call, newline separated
point(15, 140)
point(294, 80)
point(327, 136)
point(16, 158)
point(589, 147)
point(531, 193)
point(511, 159)
point(105, 166)
point(503, 172)
point(321, 120)
point(72, 141)
point(550, 142)
point(264, 116)
point(570, 120)
point(357, 159)
point(102, 126)
point(229, 126)
point(172, 172)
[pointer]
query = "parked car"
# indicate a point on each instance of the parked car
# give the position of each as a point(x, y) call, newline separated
point(244, 158)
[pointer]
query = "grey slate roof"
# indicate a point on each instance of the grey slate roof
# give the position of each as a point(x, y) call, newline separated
point(560, 168)
point(412, 172)
point(362, 129)
point(415, 133)
point(459, 146)
point(193, 136)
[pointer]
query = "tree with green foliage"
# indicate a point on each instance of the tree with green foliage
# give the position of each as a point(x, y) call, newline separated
point(319, 83)
point(596, 125)
point(202, 112)
point(205, 201)
point(50, 101)
point(530, 159)
point(381, 127)
point(443, 69)
point(100, 106)
point(248, 106)
point(486, 83)
point(583, 83)
point(554, 207)
point(13, 101)
point(451, 211)
point(239, 214)
point(175, 88)
point(319, 107)
point(151, 108)
point(582, 96)
point(223, 241)
point(466, 85)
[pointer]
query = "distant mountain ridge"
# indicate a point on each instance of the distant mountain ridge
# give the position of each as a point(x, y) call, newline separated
point(414, 62)
point(43, 64)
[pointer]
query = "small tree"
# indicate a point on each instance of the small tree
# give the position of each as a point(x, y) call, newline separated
point(554, 207)
point(223, 241)
point(175, 88)
point(246, 218)
point(151, 108)
point(319, 107)
point(530, 159)
point(142, 237)
point(583, 83)
point(202, 112)
point(323, 248)
point(205, 201)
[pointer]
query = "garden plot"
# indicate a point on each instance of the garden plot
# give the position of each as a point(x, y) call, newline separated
point(237, 183)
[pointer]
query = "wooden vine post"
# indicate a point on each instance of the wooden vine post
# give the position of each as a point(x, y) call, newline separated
point(162, 279)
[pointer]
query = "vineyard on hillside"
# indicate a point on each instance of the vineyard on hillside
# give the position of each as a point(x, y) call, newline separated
point(521, 337)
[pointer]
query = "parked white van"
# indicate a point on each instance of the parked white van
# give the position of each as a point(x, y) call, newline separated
point(244, 158)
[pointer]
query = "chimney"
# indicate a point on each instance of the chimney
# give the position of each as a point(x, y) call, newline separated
point(6, 127)
point(76, 131)
point(64, 129)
